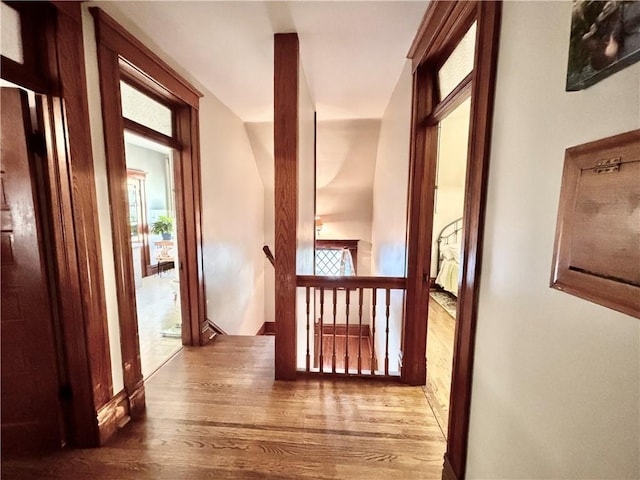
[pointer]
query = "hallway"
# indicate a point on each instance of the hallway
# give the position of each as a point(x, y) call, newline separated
point(215, 412)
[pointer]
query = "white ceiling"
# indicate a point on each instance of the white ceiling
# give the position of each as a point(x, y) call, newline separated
point(352, 52)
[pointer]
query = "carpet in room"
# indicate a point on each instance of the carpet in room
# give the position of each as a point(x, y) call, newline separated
point(446, 300)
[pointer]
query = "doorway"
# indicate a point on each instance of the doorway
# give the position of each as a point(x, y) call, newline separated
point(437, 93)
point(448, 221)
point(31, 371)
point(63, 342)
point(135, 76)
point(152, 218)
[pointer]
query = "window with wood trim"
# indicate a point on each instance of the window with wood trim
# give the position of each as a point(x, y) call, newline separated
point(336, 258)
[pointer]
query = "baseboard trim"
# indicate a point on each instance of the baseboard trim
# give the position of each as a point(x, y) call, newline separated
point(267, 328)
point(215, 328)
point(354, 330)
point(137, 401)
point(208, 331)
point(113, 416)
point(447, 470)
point(118, 411)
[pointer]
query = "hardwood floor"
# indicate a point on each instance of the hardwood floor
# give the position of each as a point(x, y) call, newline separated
point(440, 335)
point(327, 352)
point(158, 309)
point(216, 412)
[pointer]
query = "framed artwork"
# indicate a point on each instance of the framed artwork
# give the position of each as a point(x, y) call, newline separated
point(597, 245)
point(605, 38)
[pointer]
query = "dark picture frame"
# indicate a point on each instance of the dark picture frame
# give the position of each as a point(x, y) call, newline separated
point(605, 38)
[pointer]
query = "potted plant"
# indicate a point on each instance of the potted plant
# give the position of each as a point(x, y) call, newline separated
point(163, 226)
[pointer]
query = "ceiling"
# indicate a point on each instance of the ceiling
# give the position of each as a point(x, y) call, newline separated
point(352, 52)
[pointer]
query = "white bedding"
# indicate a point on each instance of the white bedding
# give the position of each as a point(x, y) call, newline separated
point(449, 268)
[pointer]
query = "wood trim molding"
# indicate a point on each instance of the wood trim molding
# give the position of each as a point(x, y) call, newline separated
point(76, 233)
point(393, 283)
point(422, 178)
point(118, 411)
point(328, 376)
point(87, 223)
point(215, 328)
point(122, 252)
point(341, 330)
point(453, 101)
point(326, 243)
point(151, 134)
point(447, 470)
point(34, 72)
point(475, 204)
point(439, 31)
point(112, 35)
point(286, 70)
point(267, 328)
point(137, 400)
point(207, 331)
point(113, 416)
point(443, 26)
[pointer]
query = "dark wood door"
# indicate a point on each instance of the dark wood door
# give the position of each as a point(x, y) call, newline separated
point(30, 406)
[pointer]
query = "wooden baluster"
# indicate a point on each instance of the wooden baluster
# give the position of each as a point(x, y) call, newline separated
point(308, 311)
point(335, 311)
point(346, 338)
point(361, 296)
point(386, 345)
point(374, 292)
point(321, 329)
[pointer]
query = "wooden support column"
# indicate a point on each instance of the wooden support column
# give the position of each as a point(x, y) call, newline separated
point(286, 67)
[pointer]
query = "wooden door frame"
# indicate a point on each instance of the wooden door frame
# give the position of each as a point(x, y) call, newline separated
point(443, 26)
point(122, 57)
point(54, 67)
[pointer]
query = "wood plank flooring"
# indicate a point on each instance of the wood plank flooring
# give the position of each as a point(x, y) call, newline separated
point(216, 412)
point(327, 352)
point(158, 309)
point(440, 336)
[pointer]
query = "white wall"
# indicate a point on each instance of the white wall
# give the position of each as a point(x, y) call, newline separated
point(232, 221)
point(389, 224)
point(261, 139)
point(306, 225)
point(556, 382)
point(347, 152)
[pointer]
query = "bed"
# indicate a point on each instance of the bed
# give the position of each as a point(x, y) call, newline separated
point(448, 249)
